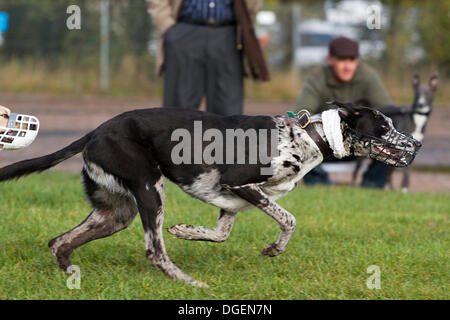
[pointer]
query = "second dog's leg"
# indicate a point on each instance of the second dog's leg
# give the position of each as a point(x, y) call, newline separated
point(285, 219)
point(356, 171)
point(218, 234)
point(405, 179)
point(389, 172)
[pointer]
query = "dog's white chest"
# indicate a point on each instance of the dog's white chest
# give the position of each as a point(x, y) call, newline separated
point(420, 121)
point(207, 188)
point(297, 156)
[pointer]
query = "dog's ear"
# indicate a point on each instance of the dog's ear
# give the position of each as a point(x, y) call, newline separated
point(347, 110)
point(346, 105)
point(434, 81)
point(415, 81)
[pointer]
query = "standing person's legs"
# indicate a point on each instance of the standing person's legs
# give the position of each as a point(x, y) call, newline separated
point(184, 66)
point(224, 84)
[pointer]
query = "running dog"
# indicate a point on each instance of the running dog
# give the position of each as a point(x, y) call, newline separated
point(127, 157)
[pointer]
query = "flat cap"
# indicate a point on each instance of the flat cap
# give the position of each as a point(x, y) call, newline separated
point(343, 47)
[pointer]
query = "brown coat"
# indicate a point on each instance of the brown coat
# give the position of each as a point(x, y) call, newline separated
point(165, 13)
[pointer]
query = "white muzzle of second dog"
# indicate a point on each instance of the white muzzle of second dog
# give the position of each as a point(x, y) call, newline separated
point(20, 131)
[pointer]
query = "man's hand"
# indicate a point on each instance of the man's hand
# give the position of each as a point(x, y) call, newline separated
point(161, 13)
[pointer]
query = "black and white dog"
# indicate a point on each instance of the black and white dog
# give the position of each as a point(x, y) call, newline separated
point(127, 158)
point(411, 120)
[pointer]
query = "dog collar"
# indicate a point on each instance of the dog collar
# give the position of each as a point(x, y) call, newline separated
point(304, 122)
point(422, 113)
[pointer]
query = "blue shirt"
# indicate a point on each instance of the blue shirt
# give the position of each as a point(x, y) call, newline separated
point(208, 10)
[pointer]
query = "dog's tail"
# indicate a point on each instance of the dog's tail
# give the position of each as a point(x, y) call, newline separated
point(25, 167)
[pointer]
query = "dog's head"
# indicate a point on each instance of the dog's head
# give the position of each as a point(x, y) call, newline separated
point(424, 93)
point(369, 133)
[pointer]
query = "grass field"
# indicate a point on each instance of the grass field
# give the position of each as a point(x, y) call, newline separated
point(340, 232)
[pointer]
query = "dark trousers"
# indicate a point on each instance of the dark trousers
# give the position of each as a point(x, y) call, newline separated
point(202, 60)
point(375, 175)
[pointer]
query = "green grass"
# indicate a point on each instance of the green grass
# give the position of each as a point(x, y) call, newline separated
point(340, 232)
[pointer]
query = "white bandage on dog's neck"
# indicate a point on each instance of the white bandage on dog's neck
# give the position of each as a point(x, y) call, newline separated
point(331, 122)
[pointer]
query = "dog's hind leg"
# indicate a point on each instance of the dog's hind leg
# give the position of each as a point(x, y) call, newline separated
point(150, 200)
point(112, 212)
point(218, 234)
point(144, 180)
point(285, 219)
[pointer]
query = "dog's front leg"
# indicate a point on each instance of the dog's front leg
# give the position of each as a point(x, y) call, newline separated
point(285, 219)
point(218, 234)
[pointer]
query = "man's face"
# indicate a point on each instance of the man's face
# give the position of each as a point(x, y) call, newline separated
point(343, 68)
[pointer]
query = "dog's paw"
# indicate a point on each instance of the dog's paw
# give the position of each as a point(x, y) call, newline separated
point(178, 230)
point(271, 250)
point(199, 284)
point(173, 230)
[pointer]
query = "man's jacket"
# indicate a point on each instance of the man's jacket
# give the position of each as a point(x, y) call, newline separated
point(165, 14)
point(366, 89)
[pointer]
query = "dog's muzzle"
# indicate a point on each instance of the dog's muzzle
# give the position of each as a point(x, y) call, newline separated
point(398, 149)
point(20, 131)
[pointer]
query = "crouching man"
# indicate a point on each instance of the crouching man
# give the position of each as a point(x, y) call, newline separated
point(344, 78)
